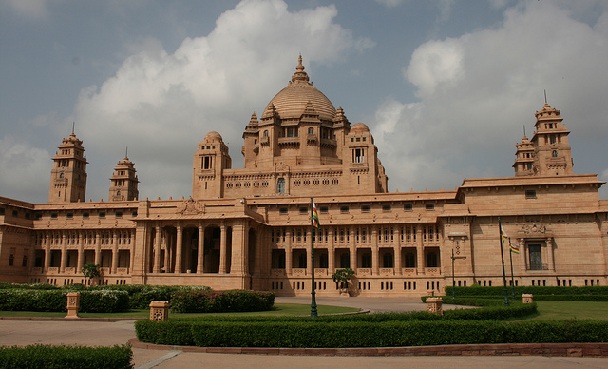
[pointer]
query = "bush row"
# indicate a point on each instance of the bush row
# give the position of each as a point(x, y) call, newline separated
point(119, 298)
point(100, 301)
point(498, 291)
point(65, 357)
point(209, 301)
point(219, 333)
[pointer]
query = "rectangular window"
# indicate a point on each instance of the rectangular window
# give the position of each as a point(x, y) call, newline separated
point(119, 214)
point(430, 206)
point(85, 215)
point(344, 209)
point(530, 194)
point(283, 210)
point(324, 209)
point(53, 215)
point(535, 257)
point(407, 207)
point(69, 215)
point(102, 214)
point(386, 207)
point(365, 208)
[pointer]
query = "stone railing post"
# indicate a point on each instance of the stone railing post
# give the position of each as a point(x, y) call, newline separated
point(434, 305)
point(527, 298)
point(159, 310)
point(73, 304)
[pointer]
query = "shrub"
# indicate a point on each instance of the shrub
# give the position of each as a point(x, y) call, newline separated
point(103, 301)
point(32, 300)
point(172, 332)
point(195, 300)
point(65, 357)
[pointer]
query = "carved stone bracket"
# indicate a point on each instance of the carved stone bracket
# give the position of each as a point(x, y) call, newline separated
point(191, 207)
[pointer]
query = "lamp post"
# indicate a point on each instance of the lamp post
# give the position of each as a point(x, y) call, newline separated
point(453, 281)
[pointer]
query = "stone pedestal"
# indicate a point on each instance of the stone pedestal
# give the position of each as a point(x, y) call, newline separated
point(527, 298)
point(73, 304)
point(434, 305)
point(159, 310)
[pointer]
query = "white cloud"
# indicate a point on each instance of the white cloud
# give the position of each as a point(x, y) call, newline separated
point(476, 91)
point(162, 104)
point(21, 166)
point(436, 64)
point(35, 9)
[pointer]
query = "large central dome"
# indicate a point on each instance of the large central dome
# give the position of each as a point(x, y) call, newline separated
point(292, 100)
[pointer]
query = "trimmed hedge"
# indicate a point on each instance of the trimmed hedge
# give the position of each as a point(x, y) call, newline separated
point(311, 333)
point(210, 301)
point(578, 293)
point(65, 357)
point(55, 301)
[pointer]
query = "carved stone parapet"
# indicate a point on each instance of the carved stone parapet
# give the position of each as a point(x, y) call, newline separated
point(527, 298)
point(434, 305)
point(159, 310)
point(73, 304)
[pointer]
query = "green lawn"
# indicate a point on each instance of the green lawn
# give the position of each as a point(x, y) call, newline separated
point(279, 309)
point(548, 310)
point(565, 310)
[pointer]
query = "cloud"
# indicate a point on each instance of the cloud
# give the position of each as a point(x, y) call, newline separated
point(21, 165)
point(390, 3)
point(34, 9)
point(477, 90)
point(161, 104)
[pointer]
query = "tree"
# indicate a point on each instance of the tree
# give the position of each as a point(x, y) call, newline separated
point(343, 277)
point(91, 271)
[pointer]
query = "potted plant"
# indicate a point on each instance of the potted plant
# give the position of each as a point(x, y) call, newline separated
point(91, 271)
point(343, 277)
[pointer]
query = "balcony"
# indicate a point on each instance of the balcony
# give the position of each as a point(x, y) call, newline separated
point(277, 272)
point(321, 272)
point(289, 141)
point(328, 142)
point(387, 272)
point(435, 271)
point(265, 141)
point(362, 272)
point(298, 272)
point(409, 272)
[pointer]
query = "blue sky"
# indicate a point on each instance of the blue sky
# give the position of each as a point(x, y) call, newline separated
point(446, 86)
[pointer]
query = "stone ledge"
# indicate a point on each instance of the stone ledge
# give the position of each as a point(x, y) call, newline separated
point(490, 349)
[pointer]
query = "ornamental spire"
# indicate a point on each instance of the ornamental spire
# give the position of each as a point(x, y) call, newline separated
point(300, 74)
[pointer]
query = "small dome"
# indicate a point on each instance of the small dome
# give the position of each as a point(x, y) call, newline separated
point(292, 100)
point(359, 128)
point(213, 136)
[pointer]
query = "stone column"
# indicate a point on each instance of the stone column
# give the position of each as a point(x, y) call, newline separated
point(97, 248)
point(288, 253)
point(550, 260)
point(114, 253)
point(178, 250)
point(397, 251)
point(238, 260)
point(375, 256)
point(419, 250)
point(310, 268)
point(64, 253)
point(47, 255)
point(331, 263)
point(80, 263)
point(156, 268)
point(222, 249)
point(201, 249)
point(166, 259)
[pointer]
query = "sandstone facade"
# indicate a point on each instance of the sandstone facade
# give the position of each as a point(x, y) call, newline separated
point(250, 227)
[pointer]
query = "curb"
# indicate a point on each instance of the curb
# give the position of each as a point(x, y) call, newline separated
point(490, 349)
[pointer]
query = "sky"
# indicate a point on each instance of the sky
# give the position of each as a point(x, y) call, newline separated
point(447, 87)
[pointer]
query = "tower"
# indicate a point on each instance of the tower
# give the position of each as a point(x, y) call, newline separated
point(68, 176)
point(552, 153)
point(524, 158)
point(124, 182)
point(210, 160)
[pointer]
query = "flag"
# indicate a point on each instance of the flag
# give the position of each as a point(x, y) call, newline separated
point(315, 216)
point(514, 248)
point(503, 235)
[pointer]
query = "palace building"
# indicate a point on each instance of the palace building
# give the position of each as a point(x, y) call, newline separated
point(250, 227)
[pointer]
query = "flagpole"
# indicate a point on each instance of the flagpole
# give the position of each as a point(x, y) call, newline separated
point(502, 257)
point(511, 262)
point(313, 304)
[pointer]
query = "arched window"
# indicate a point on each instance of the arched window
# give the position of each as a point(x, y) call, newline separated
point(61, 175)
point(265, 133)
point(281, 185)
point(554, 154)
point(311, 130)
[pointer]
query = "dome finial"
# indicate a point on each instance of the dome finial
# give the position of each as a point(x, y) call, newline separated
point(300, 74)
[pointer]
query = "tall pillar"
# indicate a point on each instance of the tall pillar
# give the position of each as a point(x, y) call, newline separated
point(114, 253)
point(97, 248)
point(550, 260)
point(201, 249)
point(309, 261)
point(331, 262)
point(64, 255)
point(156, 268)
point(397, 250)
point(222, 249)
point(80, 263)
point(419, 250)
point(288, 253)
point(178, 250)
point(237, 265)
point(375, 256)
point(166, 260)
